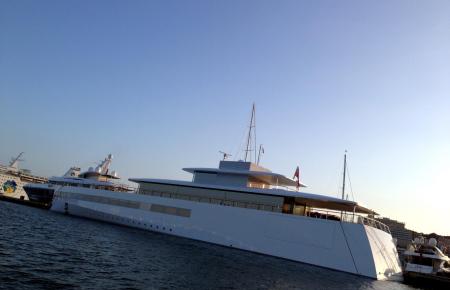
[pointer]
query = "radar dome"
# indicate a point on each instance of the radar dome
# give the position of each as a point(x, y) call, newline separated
point(432, 242)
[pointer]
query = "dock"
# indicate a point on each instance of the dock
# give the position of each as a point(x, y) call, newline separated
point(25, 202)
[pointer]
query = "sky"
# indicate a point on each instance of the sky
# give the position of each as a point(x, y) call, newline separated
point(164, 85)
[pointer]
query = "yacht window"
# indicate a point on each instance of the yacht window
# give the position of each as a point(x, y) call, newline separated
point(288, 205)
point(422, 261)
point(299, 209)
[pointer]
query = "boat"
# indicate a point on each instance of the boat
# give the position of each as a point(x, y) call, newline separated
point(99, 177)
point(246, 206)
point(425, 264)
point(12, 180)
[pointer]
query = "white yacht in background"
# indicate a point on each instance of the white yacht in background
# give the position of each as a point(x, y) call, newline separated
point(12, 179)
point(426, 264)
point(246, 206)
point(99, 177)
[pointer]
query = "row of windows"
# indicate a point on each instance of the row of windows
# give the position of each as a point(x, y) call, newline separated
point(24, 179)
point(171, 210)
point(218, 201)
point(128, 221)
point(86, 185)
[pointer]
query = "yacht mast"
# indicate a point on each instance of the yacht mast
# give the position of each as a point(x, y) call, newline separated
point(249, 136)
point(261, 150)
point(343, 179)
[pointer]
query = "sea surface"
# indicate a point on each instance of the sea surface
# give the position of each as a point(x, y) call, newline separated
point(40, 249)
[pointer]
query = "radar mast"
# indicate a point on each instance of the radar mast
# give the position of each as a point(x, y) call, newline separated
point(251, 129)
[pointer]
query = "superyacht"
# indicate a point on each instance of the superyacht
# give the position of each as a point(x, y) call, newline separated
point(12, 179)
point(243, 205)
point(100, 177)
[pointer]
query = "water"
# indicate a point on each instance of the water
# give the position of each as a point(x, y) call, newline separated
point(41, 250)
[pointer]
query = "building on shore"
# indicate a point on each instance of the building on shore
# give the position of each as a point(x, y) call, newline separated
point(404, 236)
point(443, 242)
point(399, 232)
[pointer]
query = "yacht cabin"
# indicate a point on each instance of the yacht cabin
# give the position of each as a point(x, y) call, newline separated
point(99, 177)
point(95, 178)
point(248, 185)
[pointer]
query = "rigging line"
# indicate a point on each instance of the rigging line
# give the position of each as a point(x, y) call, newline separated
point(236, 153)
point(339, 189)
point(254, 128)
point(350, 183)
point(348, 247)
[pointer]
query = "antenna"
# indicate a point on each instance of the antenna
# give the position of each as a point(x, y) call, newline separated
point(225, 155)
point(249, 136)
point(343, 179)
point(104, 164)
point(14, 161)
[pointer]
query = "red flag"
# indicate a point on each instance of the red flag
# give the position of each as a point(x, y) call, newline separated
point(297, 176)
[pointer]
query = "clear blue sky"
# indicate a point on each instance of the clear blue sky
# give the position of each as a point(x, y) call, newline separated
point(167, 84)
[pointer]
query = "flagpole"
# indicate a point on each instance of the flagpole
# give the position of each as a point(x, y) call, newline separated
point(297, 174)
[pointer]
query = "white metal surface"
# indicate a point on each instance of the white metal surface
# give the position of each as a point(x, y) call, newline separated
point(349, 247)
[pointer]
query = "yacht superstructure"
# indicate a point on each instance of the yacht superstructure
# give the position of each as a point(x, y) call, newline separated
point(99, 177)
point(12, 179)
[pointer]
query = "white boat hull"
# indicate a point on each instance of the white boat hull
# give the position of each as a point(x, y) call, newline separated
point(348, 247)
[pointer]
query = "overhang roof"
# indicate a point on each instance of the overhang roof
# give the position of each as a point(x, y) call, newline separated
point(265, 176)
point(309, 199)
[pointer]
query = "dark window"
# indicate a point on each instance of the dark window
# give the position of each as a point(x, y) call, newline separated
point(422, 261)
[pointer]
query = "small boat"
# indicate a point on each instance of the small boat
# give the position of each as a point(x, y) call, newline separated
point(425, 264)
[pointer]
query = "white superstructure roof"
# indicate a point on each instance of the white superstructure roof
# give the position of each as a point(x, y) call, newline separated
point(314, 200)
point(267, 176)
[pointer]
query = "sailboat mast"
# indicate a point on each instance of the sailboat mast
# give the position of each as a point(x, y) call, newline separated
point(249, 137)
point(343, 179)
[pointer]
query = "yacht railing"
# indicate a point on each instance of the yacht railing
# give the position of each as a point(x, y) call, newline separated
point(220, 201)
point(348, 217)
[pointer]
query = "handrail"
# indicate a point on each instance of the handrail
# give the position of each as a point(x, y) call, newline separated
point(214, 200)
point(311, 212)
point(348, 217)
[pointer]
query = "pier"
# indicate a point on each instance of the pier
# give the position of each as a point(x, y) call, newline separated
point(25, 202)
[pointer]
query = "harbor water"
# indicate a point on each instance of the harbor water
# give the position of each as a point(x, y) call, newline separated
point(40, 249)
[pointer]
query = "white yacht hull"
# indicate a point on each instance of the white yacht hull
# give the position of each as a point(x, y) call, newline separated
point(348, 247)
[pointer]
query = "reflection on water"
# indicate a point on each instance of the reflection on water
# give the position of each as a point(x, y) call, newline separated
point(41, 250)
